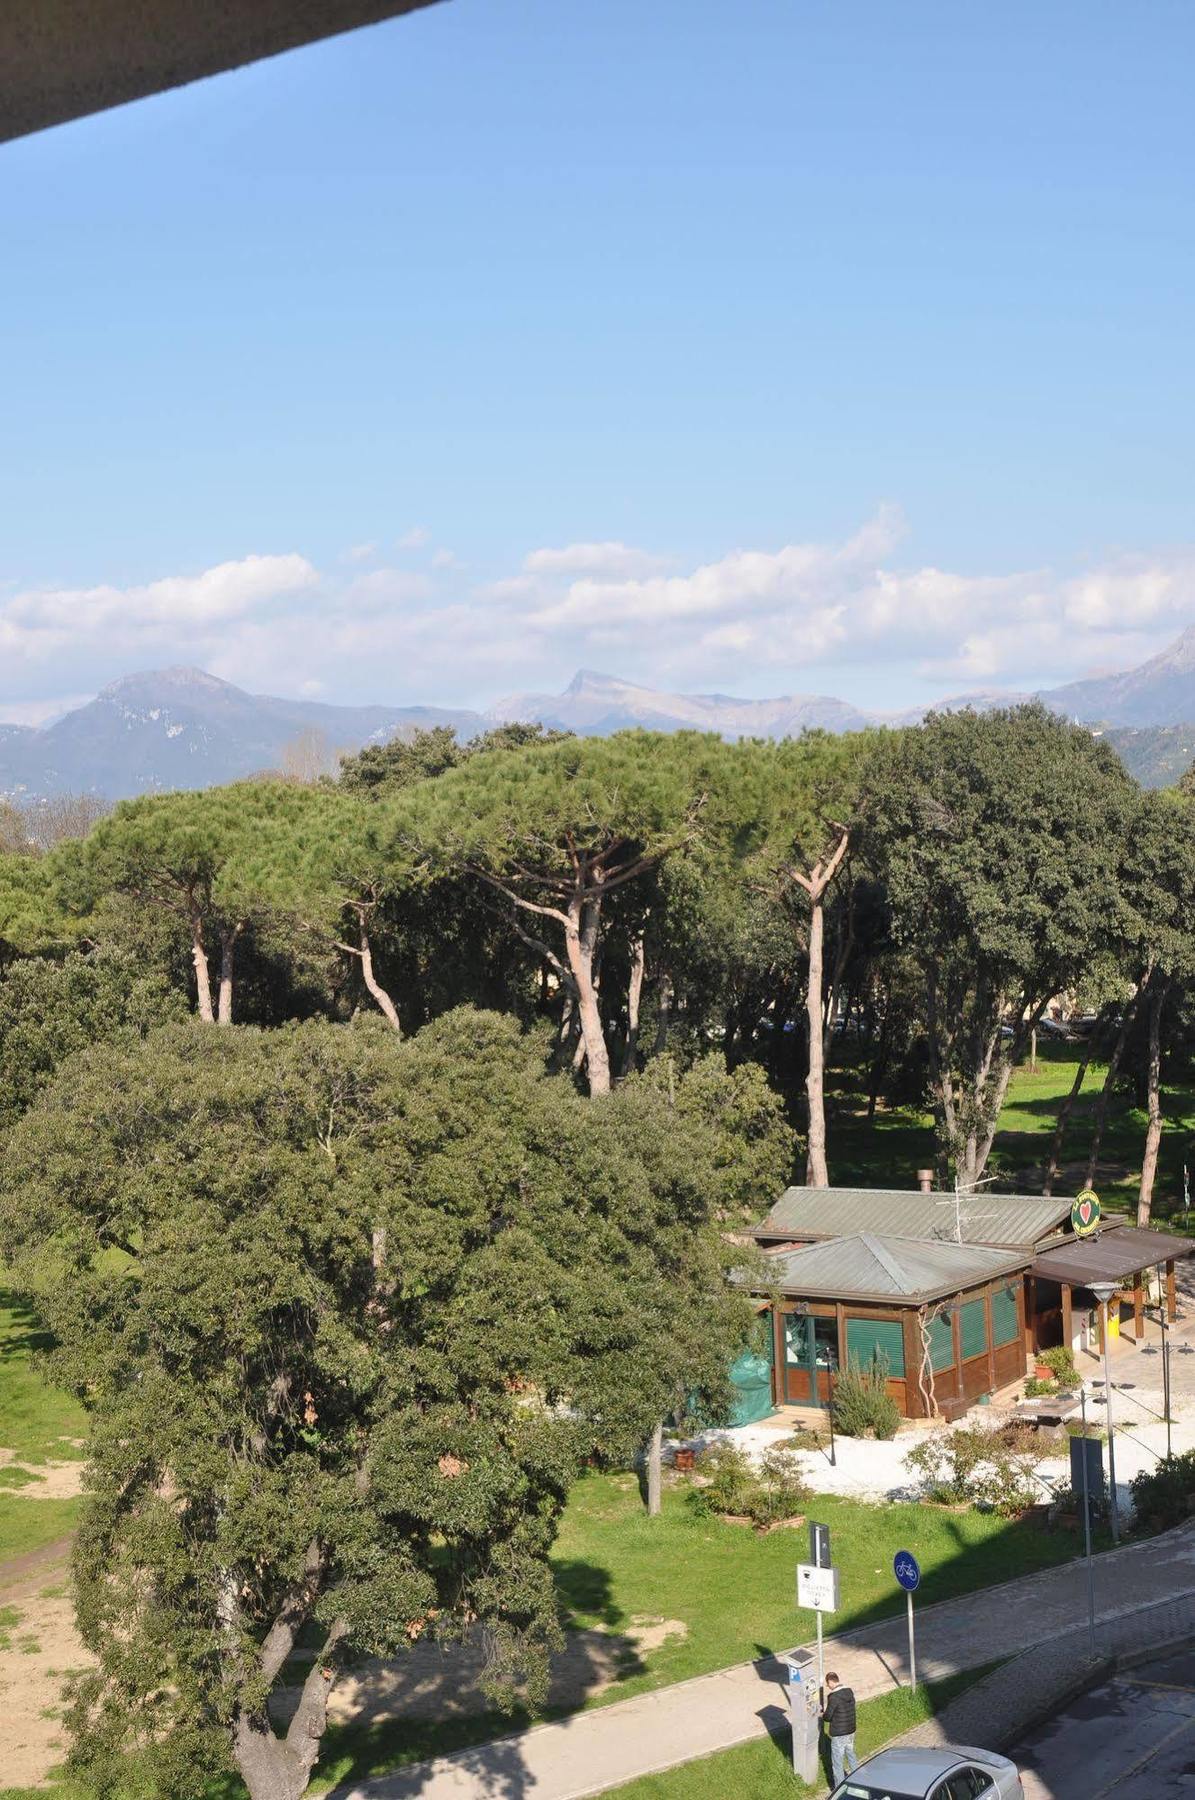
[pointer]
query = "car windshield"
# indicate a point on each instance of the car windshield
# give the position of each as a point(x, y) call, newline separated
point(868, 1790)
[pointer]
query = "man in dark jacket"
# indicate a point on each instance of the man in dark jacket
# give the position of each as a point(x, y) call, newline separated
point(838, 1713)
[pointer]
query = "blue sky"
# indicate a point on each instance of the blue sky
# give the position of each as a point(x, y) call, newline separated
point(762, 346)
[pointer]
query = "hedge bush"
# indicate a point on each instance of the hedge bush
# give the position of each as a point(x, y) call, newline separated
point(1166, 1494)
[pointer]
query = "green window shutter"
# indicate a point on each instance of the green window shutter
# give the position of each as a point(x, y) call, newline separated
point(974, 1330)
point(1004, 1315)
point(867, 1339)
point(941, 1344)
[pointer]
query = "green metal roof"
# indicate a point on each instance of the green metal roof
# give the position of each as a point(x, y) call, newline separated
point(866, 1267)
point(1012, 1221)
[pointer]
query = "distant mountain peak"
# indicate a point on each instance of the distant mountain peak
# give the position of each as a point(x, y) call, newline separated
point(181, 678)
point(592, 681)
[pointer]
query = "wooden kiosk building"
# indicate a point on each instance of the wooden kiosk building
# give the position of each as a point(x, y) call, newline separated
point(952, 1294)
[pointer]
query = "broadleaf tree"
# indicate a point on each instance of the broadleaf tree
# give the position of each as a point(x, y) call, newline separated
point(997, 837)
point(348, 1311)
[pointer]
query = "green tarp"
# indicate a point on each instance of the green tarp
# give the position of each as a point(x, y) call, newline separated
point(751, 1378)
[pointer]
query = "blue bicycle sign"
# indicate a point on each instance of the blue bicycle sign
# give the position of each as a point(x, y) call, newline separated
point(905, 1568)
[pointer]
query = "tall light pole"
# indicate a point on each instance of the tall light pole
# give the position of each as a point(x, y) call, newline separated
point(1103, 1291)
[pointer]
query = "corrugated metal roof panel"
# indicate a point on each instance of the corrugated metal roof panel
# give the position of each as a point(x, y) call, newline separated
point(864, 1266)
point(1018, 1221)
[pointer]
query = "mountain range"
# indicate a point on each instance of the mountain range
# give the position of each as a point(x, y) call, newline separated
point(184, 728)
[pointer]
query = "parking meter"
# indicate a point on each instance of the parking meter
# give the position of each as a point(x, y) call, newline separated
point(804, 1704)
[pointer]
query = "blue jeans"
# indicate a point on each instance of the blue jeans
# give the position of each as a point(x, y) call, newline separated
point(842, 1757)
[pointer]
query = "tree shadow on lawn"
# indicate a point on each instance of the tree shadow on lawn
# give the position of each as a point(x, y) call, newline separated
point(26, 1335)
point(429, 1702)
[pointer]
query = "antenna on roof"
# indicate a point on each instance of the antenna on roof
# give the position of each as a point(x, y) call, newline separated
point(956, 1200)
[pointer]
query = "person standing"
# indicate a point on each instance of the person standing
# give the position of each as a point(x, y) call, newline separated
point(838, 1716)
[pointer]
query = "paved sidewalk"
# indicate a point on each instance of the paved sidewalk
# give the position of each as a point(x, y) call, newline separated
point(593, 1750)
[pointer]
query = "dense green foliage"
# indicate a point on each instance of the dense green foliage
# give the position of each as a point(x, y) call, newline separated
point(325, 1294)
point(353, 1286)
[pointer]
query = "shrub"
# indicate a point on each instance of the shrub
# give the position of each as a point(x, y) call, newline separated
point(1166, 1494)
point(1061, 1364)
point(732, 1487)
point(726, 1480)
point(975, 1467)
point(779, 1492)
point(1025, 1440)
point(1035, 1387)
point(862, 1405)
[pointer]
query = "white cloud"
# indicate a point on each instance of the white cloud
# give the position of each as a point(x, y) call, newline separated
point(357, 553)
point(415, 538)
point(612, 560)
point(228, 591)
point(846, 616)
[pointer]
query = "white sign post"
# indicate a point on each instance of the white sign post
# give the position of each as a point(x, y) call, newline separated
point(817, 1591)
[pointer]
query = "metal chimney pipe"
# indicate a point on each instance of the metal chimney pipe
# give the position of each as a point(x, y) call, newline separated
point(925, 1180)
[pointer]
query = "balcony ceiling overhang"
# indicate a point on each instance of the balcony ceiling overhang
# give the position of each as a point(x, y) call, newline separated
point(63, 59)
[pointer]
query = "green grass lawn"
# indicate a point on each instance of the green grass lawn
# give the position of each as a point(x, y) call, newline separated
point(38, 1423)
point(762, 1769)
point(731, 1588)
point(889, 1150)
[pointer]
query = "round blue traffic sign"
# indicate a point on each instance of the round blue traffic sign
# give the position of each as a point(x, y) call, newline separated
point(906, 1570)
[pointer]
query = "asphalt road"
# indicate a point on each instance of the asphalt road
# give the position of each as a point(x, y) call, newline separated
point(1134, 1737)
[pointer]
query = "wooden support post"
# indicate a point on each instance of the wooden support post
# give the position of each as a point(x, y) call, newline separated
point(1171, 1295)
point(914, 1407)
point(1068, 1324)
point(989, 1335)
point(1030, 1317)
point(779, 1364)
point(1138, 1311)
point(840, 1317)
point(956, 1342)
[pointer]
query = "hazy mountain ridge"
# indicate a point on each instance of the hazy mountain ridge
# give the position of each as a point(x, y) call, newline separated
point(184, 728)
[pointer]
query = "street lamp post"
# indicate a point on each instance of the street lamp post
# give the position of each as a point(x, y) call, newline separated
point(1103, 1291)
point(1087, 1527)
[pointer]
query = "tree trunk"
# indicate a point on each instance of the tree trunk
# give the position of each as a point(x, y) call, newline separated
point(279, 1768)
point(655, 1447)
point(581, 940)
point(1153, 1130)
point(1064, 1113)
point(381, 998)
point(664, 1016)
point(815, 884)
point(634, 998)
point(228, 944)
point(878, 1070)
point(816, 1172)
point(1101, 1106)
point(203, 976)
point(268, 1768)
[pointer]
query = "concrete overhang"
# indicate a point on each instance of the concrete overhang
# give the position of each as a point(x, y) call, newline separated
point(62, 59)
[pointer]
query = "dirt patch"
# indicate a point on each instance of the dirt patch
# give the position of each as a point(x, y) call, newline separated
point(51, 1481)
point(43, 1648)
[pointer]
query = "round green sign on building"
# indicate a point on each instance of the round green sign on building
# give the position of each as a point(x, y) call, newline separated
point(1085, 1212)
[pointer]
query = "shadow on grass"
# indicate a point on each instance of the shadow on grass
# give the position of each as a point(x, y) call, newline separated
point(431, 1686)
point(26, 1336)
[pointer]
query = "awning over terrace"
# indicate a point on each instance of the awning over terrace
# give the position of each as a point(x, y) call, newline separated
point(1112, 1255)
